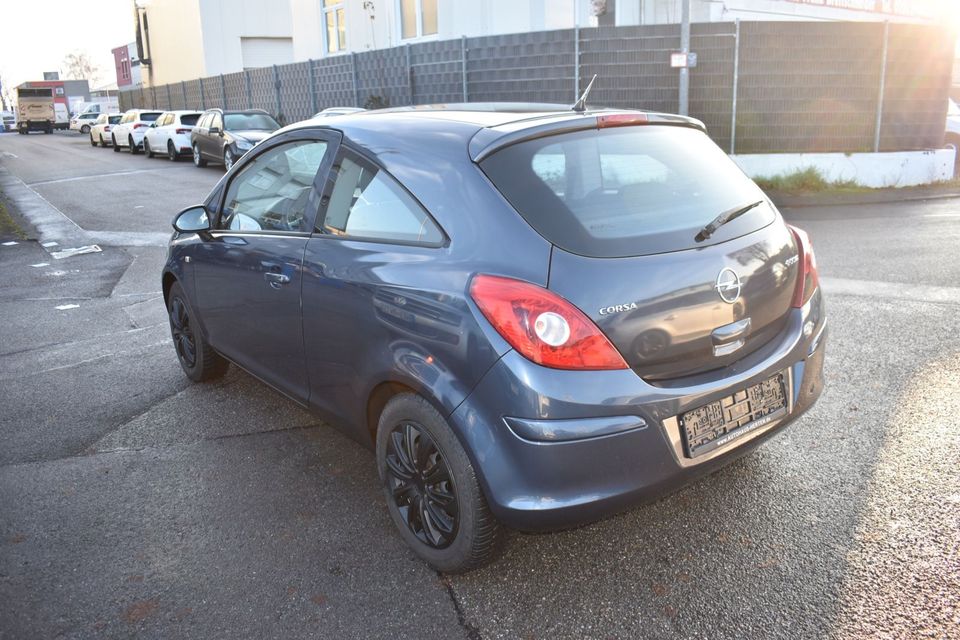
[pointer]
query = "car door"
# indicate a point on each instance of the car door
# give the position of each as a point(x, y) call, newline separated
point(370, 279)
point(249, 266)
point(213, 141)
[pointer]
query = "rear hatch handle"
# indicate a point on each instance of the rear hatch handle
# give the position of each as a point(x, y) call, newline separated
point(730, 337)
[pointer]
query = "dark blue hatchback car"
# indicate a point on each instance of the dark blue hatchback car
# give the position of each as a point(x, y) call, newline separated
point(536, 316)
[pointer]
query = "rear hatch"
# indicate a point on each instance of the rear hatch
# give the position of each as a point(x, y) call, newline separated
point(623, 207)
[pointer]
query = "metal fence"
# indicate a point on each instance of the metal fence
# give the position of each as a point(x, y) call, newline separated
point(760, 87)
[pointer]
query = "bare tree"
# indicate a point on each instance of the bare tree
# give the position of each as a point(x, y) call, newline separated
point(79, 66)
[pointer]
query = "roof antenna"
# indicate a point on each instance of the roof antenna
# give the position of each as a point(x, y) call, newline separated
point(581, 104)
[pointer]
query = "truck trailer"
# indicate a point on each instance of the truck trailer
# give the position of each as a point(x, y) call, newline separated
point(35, 110)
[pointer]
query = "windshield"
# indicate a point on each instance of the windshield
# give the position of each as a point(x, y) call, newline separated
point(247, 121)
point(625, 191)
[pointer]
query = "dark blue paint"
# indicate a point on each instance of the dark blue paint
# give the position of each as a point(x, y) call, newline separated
point(355, 315)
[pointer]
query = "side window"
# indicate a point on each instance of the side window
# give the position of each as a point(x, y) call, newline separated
point(368, 203)
point(216, 121)
point(204, 121)
point(272, 192)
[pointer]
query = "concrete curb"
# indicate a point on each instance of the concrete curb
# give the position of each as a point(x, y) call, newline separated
point(878, 196)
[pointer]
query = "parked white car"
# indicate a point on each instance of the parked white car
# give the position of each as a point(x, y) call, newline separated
point(170, 134)
point(101, 129)
point(129, 132)
point(8, 121)
point(83, 122)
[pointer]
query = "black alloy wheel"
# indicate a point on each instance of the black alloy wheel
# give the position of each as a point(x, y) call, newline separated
point(183, 337)
point(422, 486)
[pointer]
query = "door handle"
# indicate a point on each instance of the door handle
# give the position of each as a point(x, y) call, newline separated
point(275, 279)
point(729, 338)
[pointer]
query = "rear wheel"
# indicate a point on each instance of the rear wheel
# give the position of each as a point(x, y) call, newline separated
point(197, 358)
point(431, 489)
point(93, 142)
point(197, 158)
point(132, 146)
point(146, 148)
point(171, 151)
point(85, 129)
point(102, 143)
point(116, 147)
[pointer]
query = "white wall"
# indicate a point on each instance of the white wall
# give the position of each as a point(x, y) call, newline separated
point(225, 22)
point(175, 42)
point(896, 169)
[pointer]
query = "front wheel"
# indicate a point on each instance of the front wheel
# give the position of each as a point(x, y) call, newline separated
point(197, 158)
point(228, 160)
point(432, 491)
point(197, 358)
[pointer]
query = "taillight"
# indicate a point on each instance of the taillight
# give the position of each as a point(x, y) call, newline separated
point(808, 279)
point(182, 131)
point(139, 124)
point(106, 128)
point(542, 326)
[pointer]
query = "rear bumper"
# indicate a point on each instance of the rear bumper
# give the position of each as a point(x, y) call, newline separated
point(542, 485)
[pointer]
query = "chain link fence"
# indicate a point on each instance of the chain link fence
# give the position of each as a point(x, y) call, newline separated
point(760, 87)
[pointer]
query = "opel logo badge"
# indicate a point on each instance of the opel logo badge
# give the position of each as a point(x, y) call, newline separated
point(728, 285)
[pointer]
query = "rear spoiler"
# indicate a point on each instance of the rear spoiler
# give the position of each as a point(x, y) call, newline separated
point(490, 140)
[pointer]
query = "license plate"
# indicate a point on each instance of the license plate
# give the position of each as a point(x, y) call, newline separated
point(718, 423)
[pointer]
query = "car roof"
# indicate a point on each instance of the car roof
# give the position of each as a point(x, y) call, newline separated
point(483, 126)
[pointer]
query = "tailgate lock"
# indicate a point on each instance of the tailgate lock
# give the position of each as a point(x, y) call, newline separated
point(729, 337)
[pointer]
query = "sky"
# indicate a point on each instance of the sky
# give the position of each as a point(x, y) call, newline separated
point(36, 35)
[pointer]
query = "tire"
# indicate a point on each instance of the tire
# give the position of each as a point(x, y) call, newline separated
point(460, 536)
point(197, 160)
point(93, 142)
point(197, 358)
point(48, 130)
point(228, 160)
point(134, 150)
point(102, 143)
point(171, 151)
point(116, 147)
point(85, 129)
point(146, 148)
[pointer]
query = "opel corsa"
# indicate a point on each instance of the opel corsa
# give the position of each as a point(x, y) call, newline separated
point(535, 316)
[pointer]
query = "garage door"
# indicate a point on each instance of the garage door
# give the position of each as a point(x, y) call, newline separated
point(263, 52)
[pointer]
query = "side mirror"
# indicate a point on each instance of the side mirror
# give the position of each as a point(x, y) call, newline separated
point(215, 131)
point(192, 220)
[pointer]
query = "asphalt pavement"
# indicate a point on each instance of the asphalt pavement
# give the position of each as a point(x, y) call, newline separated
point(135, 503)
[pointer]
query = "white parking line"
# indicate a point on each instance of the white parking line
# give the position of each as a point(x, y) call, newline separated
point(98, 175)
point(942, 215)
point(40, 264)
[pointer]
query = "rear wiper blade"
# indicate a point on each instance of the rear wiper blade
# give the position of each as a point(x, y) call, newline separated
point(724, 218)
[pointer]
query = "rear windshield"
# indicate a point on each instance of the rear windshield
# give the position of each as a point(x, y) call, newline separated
point(246, 121)
point(190, 120)
point(149, 116)
point(115, 119)
point(625, 191)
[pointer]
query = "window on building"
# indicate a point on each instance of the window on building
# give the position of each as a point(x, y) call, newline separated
point(335, 24)
point(418, 18)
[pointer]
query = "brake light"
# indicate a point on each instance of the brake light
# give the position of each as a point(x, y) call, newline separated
point(140, 124)
point(543, 326)
point(621, 120)
point(808, 278)
point(106, 128)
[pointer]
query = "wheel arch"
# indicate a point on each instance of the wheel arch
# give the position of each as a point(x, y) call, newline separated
point(386, 390)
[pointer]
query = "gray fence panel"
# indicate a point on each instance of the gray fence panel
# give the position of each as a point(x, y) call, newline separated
point(333, 78)
point(437, 72)
point(521, 67)
point(382, 77)
point(803, 86)
point(192, 90)
point(808, 87)
point(919, 75)
point(236, 90)
point(295, 102)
